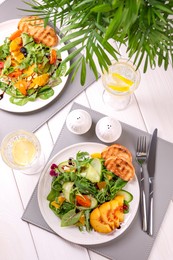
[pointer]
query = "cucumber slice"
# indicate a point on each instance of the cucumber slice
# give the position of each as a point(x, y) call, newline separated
point(66, 189)
point(94, 171)
point(92, 175)
point(94, 204)
point(96, 164)
point(127, 195)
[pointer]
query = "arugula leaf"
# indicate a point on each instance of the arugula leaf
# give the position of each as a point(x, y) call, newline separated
point(4, 50)
point(85, 186)
point(115, 186)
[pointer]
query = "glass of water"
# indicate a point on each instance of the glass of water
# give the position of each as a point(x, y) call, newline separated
point(119, 82)
point(21, 150)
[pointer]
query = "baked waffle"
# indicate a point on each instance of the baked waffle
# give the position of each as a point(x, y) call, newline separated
point(34, 26)
point(116, 150)
point(121, 167)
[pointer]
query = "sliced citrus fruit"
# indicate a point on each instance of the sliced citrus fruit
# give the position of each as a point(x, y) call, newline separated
point(16, 44)
point(96, 155)
point(122, 78)
point(21, 85)
point(29, 71)
point(40, 80)
point(120, 88)
point(18, 56)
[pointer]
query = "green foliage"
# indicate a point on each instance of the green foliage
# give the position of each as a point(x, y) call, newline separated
point(144, 26)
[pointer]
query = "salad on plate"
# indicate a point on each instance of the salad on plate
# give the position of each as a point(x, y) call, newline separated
point(28, 70)
point(85, 194)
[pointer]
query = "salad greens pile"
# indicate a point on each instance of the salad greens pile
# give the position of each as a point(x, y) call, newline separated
point(79, 185)
point(29, 70)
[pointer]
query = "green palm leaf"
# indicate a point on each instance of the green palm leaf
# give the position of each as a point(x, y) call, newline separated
point(145, 27)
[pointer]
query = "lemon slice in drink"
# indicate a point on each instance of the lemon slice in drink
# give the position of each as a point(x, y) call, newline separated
point(23, 151)
point(120, 83)
point(119, 88)
point(122, 78)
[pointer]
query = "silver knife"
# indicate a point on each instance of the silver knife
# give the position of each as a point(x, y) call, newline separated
point(151, 170)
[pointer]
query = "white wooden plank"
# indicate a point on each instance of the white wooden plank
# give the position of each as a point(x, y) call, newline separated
point(50, 246)
point(155, 98)
point(131, 115)
point(15, 237)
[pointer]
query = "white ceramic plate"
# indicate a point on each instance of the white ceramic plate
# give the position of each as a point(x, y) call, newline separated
point(72, 234)
point(6, 28)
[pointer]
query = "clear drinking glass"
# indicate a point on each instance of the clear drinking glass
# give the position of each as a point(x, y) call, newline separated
point(119, 82)
point(21, 150)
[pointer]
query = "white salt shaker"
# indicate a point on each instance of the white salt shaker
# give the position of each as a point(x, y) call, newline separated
point(108, 129)
point(78, 121)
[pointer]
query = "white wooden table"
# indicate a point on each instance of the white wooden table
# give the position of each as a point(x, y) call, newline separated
point(152, 106)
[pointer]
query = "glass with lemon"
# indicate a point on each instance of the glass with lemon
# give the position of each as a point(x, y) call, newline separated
point(119, 82)
point(21, 150)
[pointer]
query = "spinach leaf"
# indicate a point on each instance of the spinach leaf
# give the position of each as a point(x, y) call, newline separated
point(52, 195)
point(63, 209)
point(18, 101)
point(45, 92)
point(70, 218)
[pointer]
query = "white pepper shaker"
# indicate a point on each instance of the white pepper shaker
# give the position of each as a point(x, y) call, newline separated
point(78, 121)
point(108, 129)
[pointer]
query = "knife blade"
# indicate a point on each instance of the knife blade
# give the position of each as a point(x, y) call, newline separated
point(151, 171)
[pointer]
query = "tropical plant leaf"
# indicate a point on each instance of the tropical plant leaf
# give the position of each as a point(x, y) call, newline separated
point(73, 66)
point(145, 27)
point(91, 62)
point(73, 54)
point(114, 24)
point(83, 71)
point(74, 35)
point(100, 8)
point(71, 45)
point(164, 8)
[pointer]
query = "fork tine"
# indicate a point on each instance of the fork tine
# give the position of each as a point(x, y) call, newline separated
point(144, 145)
point(139, 144)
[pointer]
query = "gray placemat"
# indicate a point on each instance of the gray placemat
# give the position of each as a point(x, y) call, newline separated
point(33, 120)
point(134, 243)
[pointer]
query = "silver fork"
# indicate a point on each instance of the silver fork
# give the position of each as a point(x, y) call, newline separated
point(141, 156)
